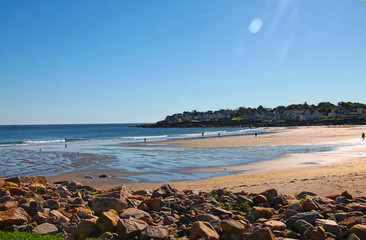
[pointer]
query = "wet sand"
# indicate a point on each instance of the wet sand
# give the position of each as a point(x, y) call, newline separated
point(344, 169)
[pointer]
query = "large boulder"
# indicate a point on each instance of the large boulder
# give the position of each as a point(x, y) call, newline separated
point(45, 228)
point(107, 221)
point(330, 226)
point(134, 212)
point(262, 212)
point(130, 228)
point(14, 216)
point(103, 204)
point(85, 228)
point(310, 217)
point(203, 230)
point(27, 180)
point(232, 226)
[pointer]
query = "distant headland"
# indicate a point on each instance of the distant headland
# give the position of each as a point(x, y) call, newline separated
point(324, 113)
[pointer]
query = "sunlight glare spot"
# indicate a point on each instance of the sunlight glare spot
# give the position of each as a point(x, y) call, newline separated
point(255, 25)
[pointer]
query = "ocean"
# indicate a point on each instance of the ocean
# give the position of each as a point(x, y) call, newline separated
point(28, 150)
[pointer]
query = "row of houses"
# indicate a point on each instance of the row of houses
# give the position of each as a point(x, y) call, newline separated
point(301, 114)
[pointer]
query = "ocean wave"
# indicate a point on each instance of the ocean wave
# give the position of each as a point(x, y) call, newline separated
point(150, 138)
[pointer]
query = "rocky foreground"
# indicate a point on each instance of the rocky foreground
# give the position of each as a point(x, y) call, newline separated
point(76, 211)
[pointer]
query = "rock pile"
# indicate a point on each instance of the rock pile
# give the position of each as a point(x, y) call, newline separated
point(76, 211)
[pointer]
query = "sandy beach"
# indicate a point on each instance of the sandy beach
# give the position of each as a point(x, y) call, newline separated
point(338, 171)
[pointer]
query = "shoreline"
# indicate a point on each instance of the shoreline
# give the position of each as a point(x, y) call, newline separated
point(344, 169)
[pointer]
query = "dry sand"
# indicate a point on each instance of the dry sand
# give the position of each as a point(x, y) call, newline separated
point(344, 169)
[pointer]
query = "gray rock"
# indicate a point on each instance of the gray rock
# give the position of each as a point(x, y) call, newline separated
point(52, 204)
point(45, 228)
point(310, 217)
point(163, 191)
point(103, 204)
point(134, 212)
point(302, 225)
point(154, 232)
point(130, 228)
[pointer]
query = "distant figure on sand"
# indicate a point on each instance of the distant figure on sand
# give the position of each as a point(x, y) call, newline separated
point(255, 134)
point(363, 136)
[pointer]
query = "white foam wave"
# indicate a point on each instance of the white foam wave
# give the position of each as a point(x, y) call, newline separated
point(44, 142)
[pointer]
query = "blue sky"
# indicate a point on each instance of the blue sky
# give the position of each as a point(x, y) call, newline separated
point(138, 61)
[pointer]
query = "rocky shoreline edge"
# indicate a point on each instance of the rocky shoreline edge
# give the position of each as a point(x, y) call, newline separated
point(76, 211)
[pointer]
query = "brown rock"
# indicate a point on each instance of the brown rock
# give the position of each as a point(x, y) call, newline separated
point(8, 204)
point(359, 230)
point(14, 216)
point(37, 188)
point(357, 207)
point(203, 230)
point(232, 226)
point(270, 193)
point(168, 220)
point(27, 180)
point(219, 211)
point(258, 199)
point(289, 213)
point(262, 212)
point(333, 196)
point(163, 191)
point(85, 228)
point(347, 195)
point(17, 191)
point(153, 203)
point(309, 205)
point(58, 217)
point(39, 218)
point(318, 233)
point(103, 204)
point(351, 221)
point(107, 222)
point(129, 228)
point(85, 213)
point(330, 226)
point(275, 225)
point(261, 234)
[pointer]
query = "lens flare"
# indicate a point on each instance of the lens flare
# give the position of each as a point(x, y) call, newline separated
point(255, 25)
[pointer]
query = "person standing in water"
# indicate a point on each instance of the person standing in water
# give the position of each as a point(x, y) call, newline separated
point(363, 136)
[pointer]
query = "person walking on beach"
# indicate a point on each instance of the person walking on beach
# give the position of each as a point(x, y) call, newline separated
point(363, 136)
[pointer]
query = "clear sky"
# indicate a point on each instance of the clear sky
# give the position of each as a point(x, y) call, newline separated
point(92, 61)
